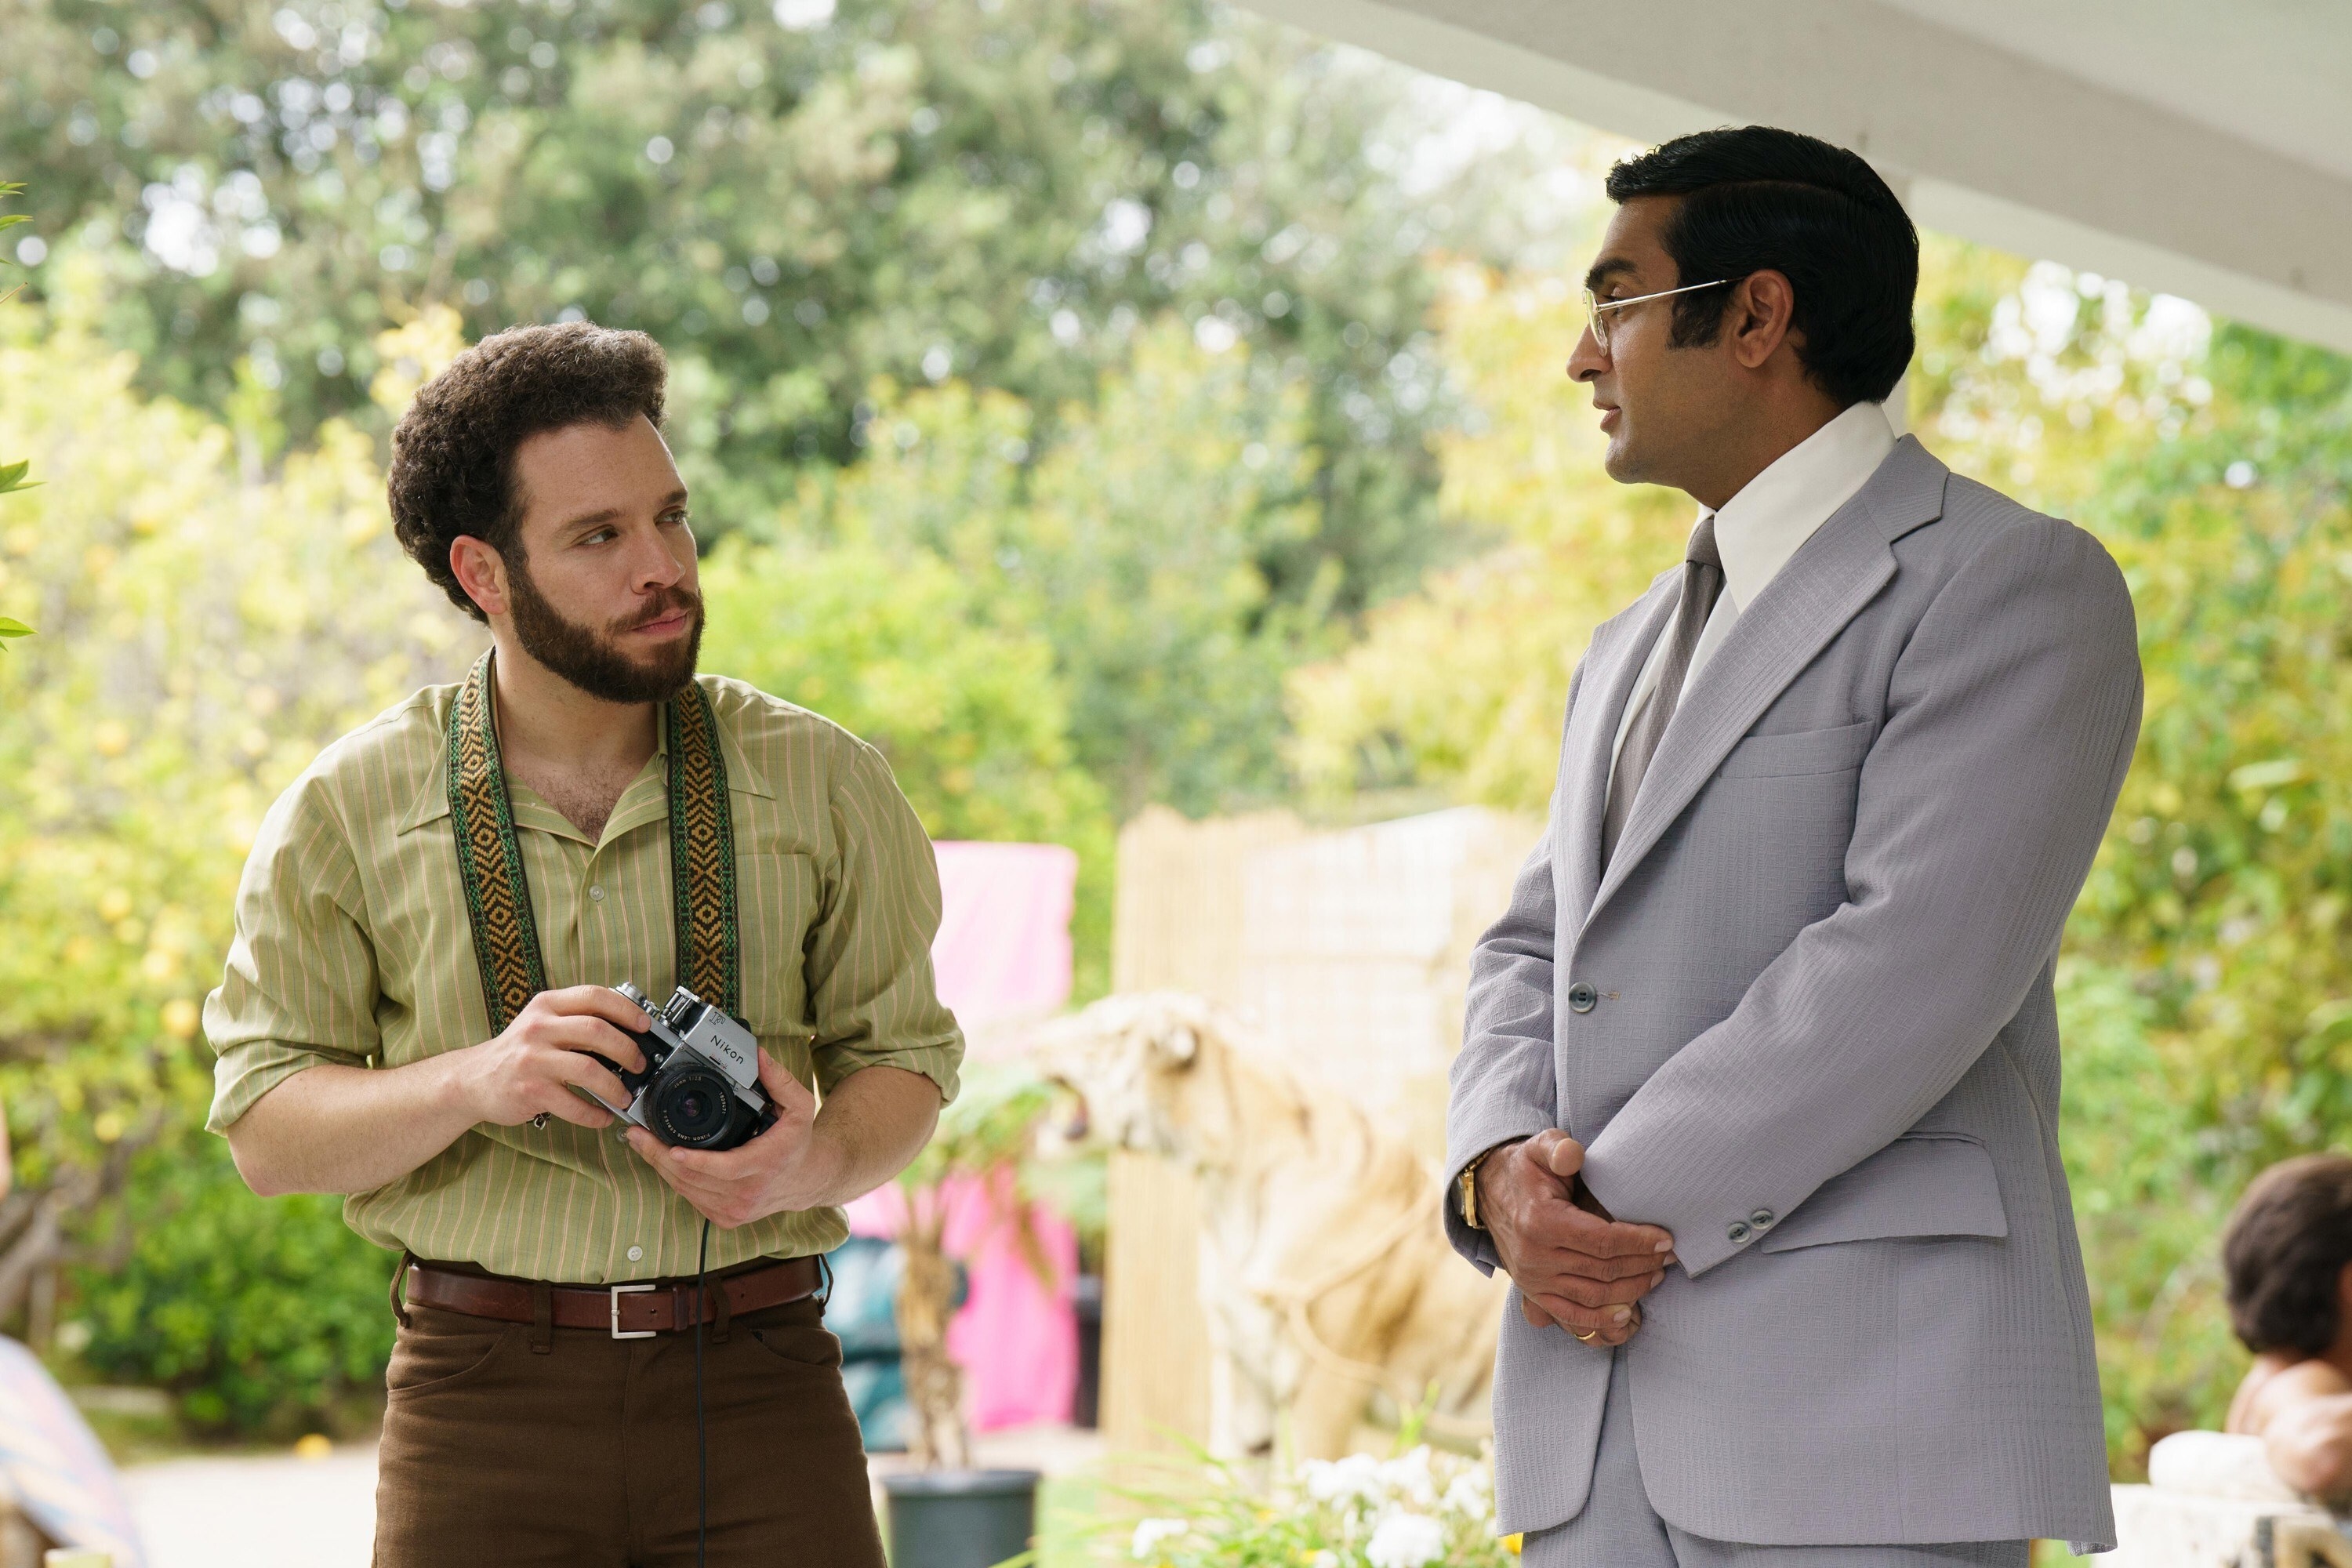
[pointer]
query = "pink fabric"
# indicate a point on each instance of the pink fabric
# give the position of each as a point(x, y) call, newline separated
point(1002, 953)
point(1004, 947)
point(1016, 1336)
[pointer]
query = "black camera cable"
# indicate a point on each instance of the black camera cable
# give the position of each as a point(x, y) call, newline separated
point(701, 1434)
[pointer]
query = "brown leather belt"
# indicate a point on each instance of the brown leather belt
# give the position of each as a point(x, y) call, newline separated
point(633, 1311)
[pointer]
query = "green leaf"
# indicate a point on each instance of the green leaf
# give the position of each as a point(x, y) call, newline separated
point(12, 477)
point(10, 628)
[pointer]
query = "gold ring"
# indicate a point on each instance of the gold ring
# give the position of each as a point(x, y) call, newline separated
point(1585, 1339)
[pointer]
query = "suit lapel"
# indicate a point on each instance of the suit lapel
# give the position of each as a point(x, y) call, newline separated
point(1620, 649)
point(1825, 585)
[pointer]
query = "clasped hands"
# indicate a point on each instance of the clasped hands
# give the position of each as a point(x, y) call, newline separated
point(1573, 1264)
point(551, 1051)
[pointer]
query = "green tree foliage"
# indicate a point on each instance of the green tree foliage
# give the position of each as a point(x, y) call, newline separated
point(264, 1316)
point(12, 475)
point(206, 633)
point(795, 199)
point(2205, 989)
point(905, 652)
point(1455, 693)
point(1130, 533)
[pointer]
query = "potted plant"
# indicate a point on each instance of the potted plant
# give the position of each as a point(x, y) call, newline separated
point(944, 1513)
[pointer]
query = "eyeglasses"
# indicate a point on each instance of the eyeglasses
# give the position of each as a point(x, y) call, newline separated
point(1598, 324)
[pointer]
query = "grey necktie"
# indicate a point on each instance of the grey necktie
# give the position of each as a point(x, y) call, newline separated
point(1702, 585)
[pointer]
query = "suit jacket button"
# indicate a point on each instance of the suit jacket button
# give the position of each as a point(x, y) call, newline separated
point(1581, 996)
point(1762, 1220)
point(1738, 1232)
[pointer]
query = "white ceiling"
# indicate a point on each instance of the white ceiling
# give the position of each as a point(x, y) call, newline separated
point(2277, 73)
point(2186, 145)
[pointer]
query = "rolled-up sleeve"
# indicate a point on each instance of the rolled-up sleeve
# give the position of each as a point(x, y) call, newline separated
point(300, 988)
point(873, 1000)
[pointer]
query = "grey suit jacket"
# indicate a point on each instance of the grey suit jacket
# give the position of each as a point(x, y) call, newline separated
point(1805, 1022)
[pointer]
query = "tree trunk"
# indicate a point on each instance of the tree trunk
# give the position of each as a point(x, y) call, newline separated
point(934, 1383)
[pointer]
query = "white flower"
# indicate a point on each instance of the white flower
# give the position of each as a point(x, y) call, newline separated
point(1150, 1532)
point(1408, 1477)
point(1354, 1478)
point(1469, 1496)
point(1406, 1541)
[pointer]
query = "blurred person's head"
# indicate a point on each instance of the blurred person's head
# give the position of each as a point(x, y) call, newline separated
point(2288, 1257)
point(1801, 266)
point(531, 482)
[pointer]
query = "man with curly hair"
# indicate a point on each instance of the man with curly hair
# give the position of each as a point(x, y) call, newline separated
point(416, 1011)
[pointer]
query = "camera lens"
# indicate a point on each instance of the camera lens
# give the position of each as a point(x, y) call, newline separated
point(692, 1105)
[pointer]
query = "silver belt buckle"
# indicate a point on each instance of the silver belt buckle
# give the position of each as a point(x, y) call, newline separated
point(618, 1333)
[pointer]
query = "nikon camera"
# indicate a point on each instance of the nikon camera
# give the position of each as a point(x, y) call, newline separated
point(700, 1087)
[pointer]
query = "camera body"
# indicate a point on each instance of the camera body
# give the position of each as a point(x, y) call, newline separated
point(701, 1089)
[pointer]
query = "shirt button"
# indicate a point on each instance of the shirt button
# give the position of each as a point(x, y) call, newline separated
point(1762, 1220)
point(1738, 1232)
point(1581, 996)
point(636, 1254)
point(596, 891)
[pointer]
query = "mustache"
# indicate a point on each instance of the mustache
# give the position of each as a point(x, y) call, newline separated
point(673, 600)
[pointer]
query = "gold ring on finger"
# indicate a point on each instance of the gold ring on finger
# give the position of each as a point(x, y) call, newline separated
point(1586, 1339)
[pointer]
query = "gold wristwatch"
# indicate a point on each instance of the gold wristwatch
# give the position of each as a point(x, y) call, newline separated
point(1468, 1186)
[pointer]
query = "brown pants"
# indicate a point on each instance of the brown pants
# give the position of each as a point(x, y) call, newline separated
point(581, 1454)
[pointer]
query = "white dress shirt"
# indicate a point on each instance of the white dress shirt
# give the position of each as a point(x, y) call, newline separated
point(1759, 528)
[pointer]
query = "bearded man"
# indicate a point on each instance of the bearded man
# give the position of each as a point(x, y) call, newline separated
point(416, 1011)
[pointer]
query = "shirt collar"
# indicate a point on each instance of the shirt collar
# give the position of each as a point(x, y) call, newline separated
point(432, 802)
point(1759, 528)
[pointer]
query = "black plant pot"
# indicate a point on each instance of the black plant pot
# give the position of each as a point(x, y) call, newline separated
point(960, 1518)
point(1086, 1407)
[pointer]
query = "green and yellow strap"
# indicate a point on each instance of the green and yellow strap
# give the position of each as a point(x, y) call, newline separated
point(489, 859)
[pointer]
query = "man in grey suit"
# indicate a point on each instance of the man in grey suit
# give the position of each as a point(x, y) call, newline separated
point(1758, 1099)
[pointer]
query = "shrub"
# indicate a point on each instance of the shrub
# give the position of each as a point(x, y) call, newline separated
point(1419, 1508)
point(262, 1316)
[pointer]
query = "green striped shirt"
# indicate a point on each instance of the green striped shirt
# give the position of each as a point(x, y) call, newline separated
point(353, 946)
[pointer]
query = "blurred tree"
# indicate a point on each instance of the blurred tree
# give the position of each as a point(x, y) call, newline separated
point(207, 632)
point(906, 653)
point(1455, 693)
point(2207, 989)
point(1131, 533)
point(797, 199)
point(12, 475)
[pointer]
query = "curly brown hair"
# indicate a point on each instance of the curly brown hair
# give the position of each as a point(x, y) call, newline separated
point(453, 452)
point(2285, 1252)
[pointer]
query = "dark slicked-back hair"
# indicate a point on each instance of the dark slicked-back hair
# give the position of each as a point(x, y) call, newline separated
point(2284, 1254)
point(1756, 199)
point(453, 452)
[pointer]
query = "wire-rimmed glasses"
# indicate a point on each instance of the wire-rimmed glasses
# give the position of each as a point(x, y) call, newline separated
point(1598, 324)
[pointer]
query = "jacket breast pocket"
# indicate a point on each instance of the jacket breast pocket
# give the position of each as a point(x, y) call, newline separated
point(1798, 753)
point(1922, 1185)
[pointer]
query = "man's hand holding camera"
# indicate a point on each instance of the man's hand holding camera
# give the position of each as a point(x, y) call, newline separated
point(1573, 1264)
point(560, 1042)
point(785, 1167)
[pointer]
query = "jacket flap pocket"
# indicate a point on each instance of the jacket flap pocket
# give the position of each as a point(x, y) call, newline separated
point(1798, 752)
point(1923, 1185)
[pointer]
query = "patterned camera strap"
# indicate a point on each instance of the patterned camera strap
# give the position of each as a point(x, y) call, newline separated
point(489, 857)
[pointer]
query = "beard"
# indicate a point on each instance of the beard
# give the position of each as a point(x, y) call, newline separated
point(592, 660)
